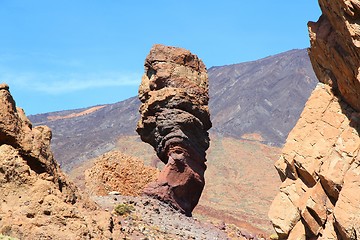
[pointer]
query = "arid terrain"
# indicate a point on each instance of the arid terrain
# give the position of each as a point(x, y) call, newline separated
point(239, 155)
point(267, 149)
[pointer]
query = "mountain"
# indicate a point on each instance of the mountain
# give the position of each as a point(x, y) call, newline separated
point(82, 134)
point(259, 100)
point(264, 97)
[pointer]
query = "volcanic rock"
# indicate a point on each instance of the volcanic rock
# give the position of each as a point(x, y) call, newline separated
point(335, 43)
point(322, 151)
point(37, 200)
point(174, 120)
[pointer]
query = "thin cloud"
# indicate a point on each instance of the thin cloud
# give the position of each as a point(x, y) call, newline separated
point(56, 84)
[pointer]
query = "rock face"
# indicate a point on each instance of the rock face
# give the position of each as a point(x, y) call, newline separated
point(335, 43)
point(174, 120)
point(37, 201)
point(320, 164)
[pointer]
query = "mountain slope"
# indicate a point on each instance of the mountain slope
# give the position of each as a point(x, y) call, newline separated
point(264, 97)
point(76, 139)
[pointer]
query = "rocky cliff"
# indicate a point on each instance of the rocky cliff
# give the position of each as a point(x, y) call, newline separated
point(37, 201)
point(320, 167)
point(174, 120)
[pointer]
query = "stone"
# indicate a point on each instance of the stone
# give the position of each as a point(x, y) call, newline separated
point(347, 209)
point(37, 199)
point(322, 151)
point(321, 170)
point(318, 205)
point(329, 232)
point(175, 120)
point(335, 44)
point(284, 212)
point(4, 86)
point(298, 232)
point(114, 193)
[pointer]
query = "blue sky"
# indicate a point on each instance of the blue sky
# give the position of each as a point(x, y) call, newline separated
point(59, 55)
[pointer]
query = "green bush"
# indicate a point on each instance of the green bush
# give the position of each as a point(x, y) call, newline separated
point(124, 208)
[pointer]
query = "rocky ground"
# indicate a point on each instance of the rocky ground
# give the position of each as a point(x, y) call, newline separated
point(152, 219)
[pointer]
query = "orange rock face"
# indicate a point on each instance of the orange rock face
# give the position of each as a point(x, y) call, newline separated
point(37, 201)
point(335, 43)
point(320, 155)
point(319, 166)
point(174, 120)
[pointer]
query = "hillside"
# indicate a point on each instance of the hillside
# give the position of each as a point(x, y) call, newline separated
point(259, 100)
point(264, 96)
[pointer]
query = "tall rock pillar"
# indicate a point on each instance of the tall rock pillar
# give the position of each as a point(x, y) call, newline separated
point(175, 120)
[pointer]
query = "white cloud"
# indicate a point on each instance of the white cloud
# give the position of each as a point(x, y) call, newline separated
point(64, 83)
point(49, 74)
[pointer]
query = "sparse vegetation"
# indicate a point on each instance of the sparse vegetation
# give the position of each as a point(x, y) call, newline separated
point(2, 237)
point(124, 209)
point(274, 236)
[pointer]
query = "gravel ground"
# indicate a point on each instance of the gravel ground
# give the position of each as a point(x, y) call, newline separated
point(151, 219)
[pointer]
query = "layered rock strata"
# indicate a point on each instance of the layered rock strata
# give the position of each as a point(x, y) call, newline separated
point(174, 120)
point(320, 164)
point(36, 199)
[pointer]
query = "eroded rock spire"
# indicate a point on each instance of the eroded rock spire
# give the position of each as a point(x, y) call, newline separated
point(175, 120)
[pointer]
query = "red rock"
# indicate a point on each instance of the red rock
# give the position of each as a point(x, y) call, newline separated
point(329, 232)
point(174, 120)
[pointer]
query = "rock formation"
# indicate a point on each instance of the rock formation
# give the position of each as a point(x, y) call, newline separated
point(174, 120)
point(37, 201)
point(116, 171)
point(335, 43)
point(320, 164)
